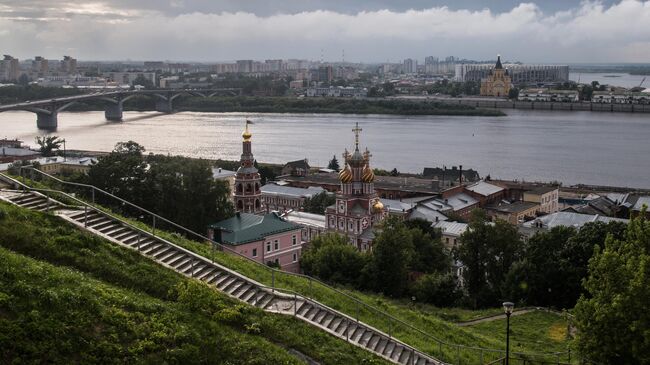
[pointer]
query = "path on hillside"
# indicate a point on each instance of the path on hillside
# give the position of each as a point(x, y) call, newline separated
point(496, 317)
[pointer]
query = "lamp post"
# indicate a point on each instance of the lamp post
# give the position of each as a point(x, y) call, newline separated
point(508, 307)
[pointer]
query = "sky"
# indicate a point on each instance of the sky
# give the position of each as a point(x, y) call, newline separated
point(543, 31)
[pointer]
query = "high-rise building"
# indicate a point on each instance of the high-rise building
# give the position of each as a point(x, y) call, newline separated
point(244, 66)
point(410, 66)
point(9, 69)
point(325, 74)
point(68, 65)
point(40, 66)
point(248, 193)
point(357, 206)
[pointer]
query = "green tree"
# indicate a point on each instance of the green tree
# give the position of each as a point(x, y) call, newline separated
point(330, 257)
point(333, 164)
point(319, 202)
point(613, 318)
point(430, 255)
point(48, 144)
point(392, 254)
point(487, 252)
point(439, 289)
point(143, 81)
point(513, 93)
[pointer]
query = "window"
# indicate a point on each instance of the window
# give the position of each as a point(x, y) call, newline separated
point(277, 261)
point(268, 247)
point(276, 245)
point(254, 252)
point(293, 240)
point(447, 240)
point(295, 257)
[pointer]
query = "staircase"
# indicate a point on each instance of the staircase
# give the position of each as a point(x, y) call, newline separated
point(227, 281)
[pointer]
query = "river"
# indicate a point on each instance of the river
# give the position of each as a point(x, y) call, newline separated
point(611, 78)
point(572, 147)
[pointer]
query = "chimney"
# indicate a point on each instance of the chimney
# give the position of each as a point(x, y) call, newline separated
point(437, 219)
point(219, 169)
point(460, 175)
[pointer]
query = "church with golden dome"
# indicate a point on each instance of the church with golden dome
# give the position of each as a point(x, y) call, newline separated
point(357, 208)
point(247, 195)
point(498, 83)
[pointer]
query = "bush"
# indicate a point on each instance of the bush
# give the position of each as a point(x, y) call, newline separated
point(440, 290)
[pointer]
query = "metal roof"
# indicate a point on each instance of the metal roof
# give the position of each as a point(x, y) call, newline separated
point(290, 191)
point(640, 202)
point(245, 227)
point(569, 219)
point(305, 219)
point(451, 228)
point(483, 188)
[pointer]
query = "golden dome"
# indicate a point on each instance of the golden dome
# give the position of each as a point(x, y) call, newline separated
point(345, 175)
point(378, 206)
point(368, 175)
point(246, 134)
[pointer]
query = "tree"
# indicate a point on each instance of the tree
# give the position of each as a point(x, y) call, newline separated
point(334, 164)
point(330, 257)
point(430, 254)
point(318, 203)
point(143, 81)
point(487, 253)
point(613, 318)
point(513, 93)
point(392, 254)
point(394, 172)
point(48, 144)
point(439, 289)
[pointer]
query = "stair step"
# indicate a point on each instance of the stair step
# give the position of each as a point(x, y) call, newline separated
point(119, 231)
point(167, 255)
point(210, 279)
point(101, 223)
point(185, 263)
point(232, 285)
point(381, 345)
point(149, 249)
point(176, 259)
point(126, 235)
point(109, 227)
point(224, 279)
point(388, 350)
point(202, 270)
point(249, 294)
point(373, 342)
point(304, 309)
point(358, 333)
point(318, 318)
point(363, 340)
point(240, 290)
point(266, 300)
point(401, 354)
point(133, 239)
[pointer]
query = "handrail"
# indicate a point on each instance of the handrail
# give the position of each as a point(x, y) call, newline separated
point(391, 319)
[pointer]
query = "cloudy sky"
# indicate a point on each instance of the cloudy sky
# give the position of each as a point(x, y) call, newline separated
point(371, 31)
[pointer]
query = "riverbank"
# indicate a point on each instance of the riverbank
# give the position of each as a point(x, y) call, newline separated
point(250, 104)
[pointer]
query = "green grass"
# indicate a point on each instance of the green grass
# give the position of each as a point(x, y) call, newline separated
point(71, 297)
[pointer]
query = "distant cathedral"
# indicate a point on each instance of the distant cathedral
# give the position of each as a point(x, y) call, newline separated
point(498, 82)
point(248, 193)
point(357, 208)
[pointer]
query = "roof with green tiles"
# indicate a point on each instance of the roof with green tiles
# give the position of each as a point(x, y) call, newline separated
point(245, 228)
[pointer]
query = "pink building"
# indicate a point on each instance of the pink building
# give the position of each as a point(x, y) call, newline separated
point(266, 239)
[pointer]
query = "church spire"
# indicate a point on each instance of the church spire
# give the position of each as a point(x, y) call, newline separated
point(356, 131)
point(498, 66)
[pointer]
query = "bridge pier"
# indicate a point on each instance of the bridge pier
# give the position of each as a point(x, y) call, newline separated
point(113, 112)
point(48, 121)
point(164, 106)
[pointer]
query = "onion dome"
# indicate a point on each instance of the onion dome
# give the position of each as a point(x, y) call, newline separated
point(368, 175)
point(345, 175)
point(378, 207)
point(246, 134)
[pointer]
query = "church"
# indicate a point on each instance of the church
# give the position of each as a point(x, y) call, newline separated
point(357, 208)
point(498, 83)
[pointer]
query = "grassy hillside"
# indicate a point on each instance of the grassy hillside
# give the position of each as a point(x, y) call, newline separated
point(544, 332)
point(69, 297)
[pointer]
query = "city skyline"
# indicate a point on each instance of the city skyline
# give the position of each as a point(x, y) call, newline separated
point(553, 32)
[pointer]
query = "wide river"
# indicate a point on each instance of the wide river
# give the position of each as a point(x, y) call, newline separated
point(572, 147)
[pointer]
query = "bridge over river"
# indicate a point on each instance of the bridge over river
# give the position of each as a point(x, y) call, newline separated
point(47, 110)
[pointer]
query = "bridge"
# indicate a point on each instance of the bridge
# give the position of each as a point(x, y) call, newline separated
point(47, 110)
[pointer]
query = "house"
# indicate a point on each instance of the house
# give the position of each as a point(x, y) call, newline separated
point(451, 232)
point(57, 164)
point(225, 175)
point(449, 177)
point(267, 239)
point(514, 213)
point(296, 168)
point(546, 196)
point(276, 197)
point(460, 204)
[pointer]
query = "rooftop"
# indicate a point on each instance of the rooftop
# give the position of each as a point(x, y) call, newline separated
point(539, 190)
point(451, 228)
point(516, 207)
point(426, 213)
point(219, 173)
point(402, 183)
point(305, 219)
point(275, 189)
point(484, 188)
point(245, 227)
point(396, 206)
point(570, 219)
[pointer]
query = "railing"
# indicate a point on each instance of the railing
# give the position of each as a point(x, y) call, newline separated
point(314, 289)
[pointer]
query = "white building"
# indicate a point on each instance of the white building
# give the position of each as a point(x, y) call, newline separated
point(519, 74)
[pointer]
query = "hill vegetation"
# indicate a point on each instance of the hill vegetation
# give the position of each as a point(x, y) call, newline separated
point(70, 297)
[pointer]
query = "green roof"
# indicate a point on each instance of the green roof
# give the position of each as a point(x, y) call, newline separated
point(245, 227)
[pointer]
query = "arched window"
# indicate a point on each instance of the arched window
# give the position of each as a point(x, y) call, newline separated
point(257, 203)
point(248, 187)
point(239, 188)
point(240, 205)
point(257, 186)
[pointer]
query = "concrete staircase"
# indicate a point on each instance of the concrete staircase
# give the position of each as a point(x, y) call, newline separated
point(226, 280)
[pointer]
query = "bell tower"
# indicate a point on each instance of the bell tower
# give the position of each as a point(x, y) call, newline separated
point(247, 194)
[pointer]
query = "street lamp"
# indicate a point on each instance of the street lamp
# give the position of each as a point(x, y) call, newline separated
point(508, 307)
